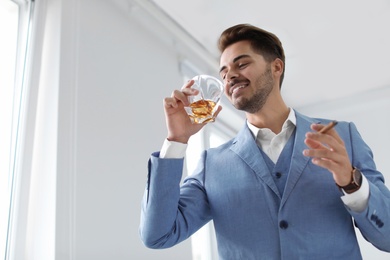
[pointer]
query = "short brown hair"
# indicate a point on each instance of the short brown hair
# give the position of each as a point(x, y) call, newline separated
point(263, 42)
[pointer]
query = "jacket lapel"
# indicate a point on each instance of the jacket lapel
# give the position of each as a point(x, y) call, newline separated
point(298, 160)
point(244, 145)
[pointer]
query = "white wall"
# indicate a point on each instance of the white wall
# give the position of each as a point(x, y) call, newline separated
point(123, 73)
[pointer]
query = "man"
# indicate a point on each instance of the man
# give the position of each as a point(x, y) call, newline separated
point(281, 189)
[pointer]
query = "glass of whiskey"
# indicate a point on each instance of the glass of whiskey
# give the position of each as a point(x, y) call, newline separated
point(203, 105)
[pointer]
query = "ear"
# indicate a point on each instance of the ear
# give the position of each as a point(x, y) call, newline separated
point(277, 67)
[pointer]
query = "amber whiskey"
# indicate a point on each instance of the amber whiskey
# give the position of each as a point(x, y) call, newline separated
point(202, 111)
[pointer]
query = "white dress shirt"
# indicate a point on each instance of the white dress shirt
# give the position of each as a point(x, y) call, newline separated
point(272, 144)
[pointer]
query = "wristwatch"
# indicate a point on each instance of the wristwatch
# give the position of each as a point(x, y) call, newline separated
point(356, 182)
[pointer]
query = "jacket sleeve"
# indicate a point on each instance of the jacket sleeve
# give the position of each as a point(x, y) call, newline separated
point(171, 212)
point(374, 221)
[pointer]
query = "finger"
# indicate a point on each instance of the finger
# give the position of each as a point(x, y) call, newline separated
point(321, 146)
point(327, 157)
point(324, 163)
point(332, 132)
point(313, 144)
point(179, 96)
point(317, 127)
point(170, 102)
point(188, 84)
point(190, 91)
point(337, 168)
point(322, 153)
point(217, 111)
point(216, 114)
point(318, 140)
point(336, 136)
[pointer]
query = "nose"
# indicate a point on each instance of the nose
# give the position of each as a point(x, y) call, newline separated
point(230, 75)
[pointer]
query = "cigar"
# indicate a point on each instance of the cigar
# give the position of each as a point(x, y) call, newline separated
point(328, 127)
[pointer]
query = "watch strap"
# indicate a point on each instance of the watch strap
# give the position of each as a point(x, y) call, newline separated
point(356, 182)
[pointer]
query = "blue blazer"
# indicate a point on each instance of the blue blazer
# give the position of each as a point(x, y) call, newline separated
point(233, 186)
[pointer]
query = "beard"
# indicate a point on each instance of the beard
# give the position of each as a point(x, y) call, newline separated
point(255, 103)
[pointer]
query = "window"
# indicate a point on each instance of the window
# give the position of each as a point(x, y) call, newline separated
point(13, 30)
point(204, 243)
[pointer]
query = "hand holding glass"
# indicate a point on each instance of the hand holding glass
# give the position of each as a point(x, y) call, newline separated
point(204, 105)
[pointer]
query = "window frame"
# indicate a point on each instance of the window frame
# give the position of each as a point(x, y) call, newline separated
point(25, 14)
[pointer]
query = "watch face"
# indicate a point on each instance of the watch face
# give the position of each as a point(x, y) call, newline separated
point(357, 177)
point(355, 182)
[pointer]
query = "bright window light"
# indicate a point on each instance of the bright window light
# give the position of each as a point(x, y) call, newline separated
point(8, 47)
point(204, 243)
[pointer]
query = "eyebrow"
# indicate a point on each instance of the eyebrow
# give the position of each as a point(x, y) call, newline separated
point(235, 60)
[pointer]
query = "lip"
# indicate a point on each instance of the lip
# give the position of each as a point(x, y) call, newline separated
point(237, 87)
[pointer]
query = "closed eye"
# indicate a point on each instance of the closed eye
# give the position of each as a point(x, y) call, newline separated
point(242, 65)
point(223, 75)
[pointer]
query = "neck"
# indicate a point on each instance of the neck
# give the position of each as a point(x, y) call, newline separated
point(272, 115)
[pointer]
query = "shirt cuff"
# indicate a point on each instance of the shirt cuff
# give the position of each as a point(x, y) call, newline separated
point(358, 200)
point(173, 150)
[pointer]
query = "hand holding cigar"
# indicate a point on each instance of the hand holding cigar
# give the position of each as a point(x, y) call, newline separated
point(328, 127)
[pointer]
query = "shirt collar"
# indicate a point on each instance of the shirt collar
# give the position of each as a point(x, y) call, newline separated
point(291, 120)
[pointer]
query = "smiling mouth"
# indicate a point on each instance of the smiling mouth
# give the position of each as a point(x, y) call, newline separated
point(237, 87)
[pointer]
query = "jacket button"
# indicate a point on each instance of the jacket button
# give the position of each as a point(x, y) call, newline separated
point(278, 175)
point(283, 224)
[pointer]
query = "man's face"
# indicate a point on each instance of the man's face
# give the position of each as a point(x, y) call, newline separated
point(247, 77)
